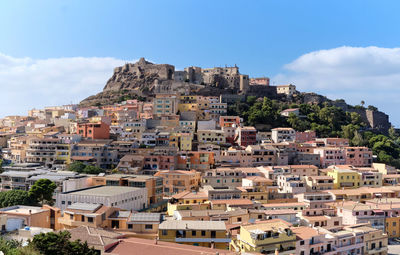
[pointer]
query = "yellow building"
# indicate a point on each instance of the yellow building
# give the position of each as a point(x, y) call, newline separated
point(265, 237)
point(344, 178)
point(392, 226)
point(185, 142)
point(211, 136)
point(188, 200)
point(174, 140)
point(186, 107)
point(376, 242)
point(197, 233)
point(63, 153)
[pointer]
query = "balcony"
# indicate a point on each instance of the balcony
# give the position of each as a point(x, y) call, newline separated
point(349, 247)
point(378, 250)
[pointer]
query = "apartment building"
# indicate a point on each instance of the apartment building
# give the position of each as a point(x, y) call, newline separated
point(197, 233)
point(358, 156)
point(344, 178)
point(50, 152)
point(211, 136)
point(98, 130)
point(331, 156)
point(265, 237)
point(291, 184)
point(245, 136)
point(224, 177)
point(279, 135)
point(176, 181)
point(318, 182)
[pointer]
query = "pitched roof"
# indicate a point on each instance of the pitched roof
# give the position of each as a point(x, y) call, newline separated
point(99, 238)
point(305, 233)
point(149, 247)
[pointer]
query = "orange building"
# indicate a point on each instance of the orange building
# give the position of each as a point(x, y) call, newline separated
point(229, 121)
point(198, 160)
point(98, 130)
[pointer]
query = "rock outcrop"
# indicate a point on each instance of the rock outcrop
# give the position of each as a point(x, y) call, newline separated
point(133, 80)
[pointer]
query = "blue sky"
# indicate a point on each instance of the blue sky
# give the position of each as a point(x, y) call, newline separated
point(46, 46)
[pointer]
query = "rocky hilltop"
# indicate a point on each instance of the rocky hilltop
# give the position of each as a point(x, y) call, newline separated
point(144, 79)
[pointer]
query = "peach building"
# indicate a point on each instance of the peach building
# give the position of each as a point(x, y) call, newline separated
point(32, 216)
point(176, 181)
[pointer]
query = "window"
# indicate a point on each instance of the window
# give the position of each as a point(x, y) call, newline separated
point(193, 232)
point(164, 232)
point(90, 219)
point(302, 242)
point(203, 233)
point(148, 226)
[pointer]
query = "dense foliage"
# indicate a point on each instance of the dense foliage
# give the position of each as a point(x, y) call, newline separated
point(42, 190)
point(84, 168)
point(60, 244)
point(47, 244)
point(326, 120)
point(15, 197)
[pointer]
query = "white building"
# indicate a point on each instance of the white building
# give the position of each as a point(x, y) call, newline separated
point(127, 198)
point(279, 135)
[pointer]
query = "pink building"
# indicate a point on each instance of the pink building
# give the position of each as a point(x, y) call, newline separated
point(302, 137)
point(358, 156)
point(331, 156)
point(338, 142)
point(259, 81)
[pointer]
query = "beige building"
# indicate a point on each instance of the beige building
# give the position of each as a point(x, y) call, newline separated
point(286, 89)
point(211, 136)
point(176, 181)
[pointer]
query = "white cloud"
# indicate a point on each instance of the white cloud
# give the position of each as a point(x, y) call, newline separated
point(371, 74)
point(27, 83)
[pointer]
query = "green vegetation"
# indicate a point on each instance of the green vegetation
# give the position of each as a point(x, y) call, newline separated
point(80, 167)
point(47, 244)
point(42, 191)
point(60, 244)
point(326, 120)
point(15, 197)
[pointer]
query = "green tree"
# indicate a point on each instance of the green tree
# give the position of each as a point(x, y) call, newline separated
point(93, 170)
point(42, 190)
point(15, 197)
point(76, 167)
point(9, 246)
point(60, 244)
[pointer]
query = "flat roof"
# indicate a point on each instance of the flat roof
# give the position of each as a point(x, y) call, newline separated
point(22, 209)
point(192, 224)
point(106, 191)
